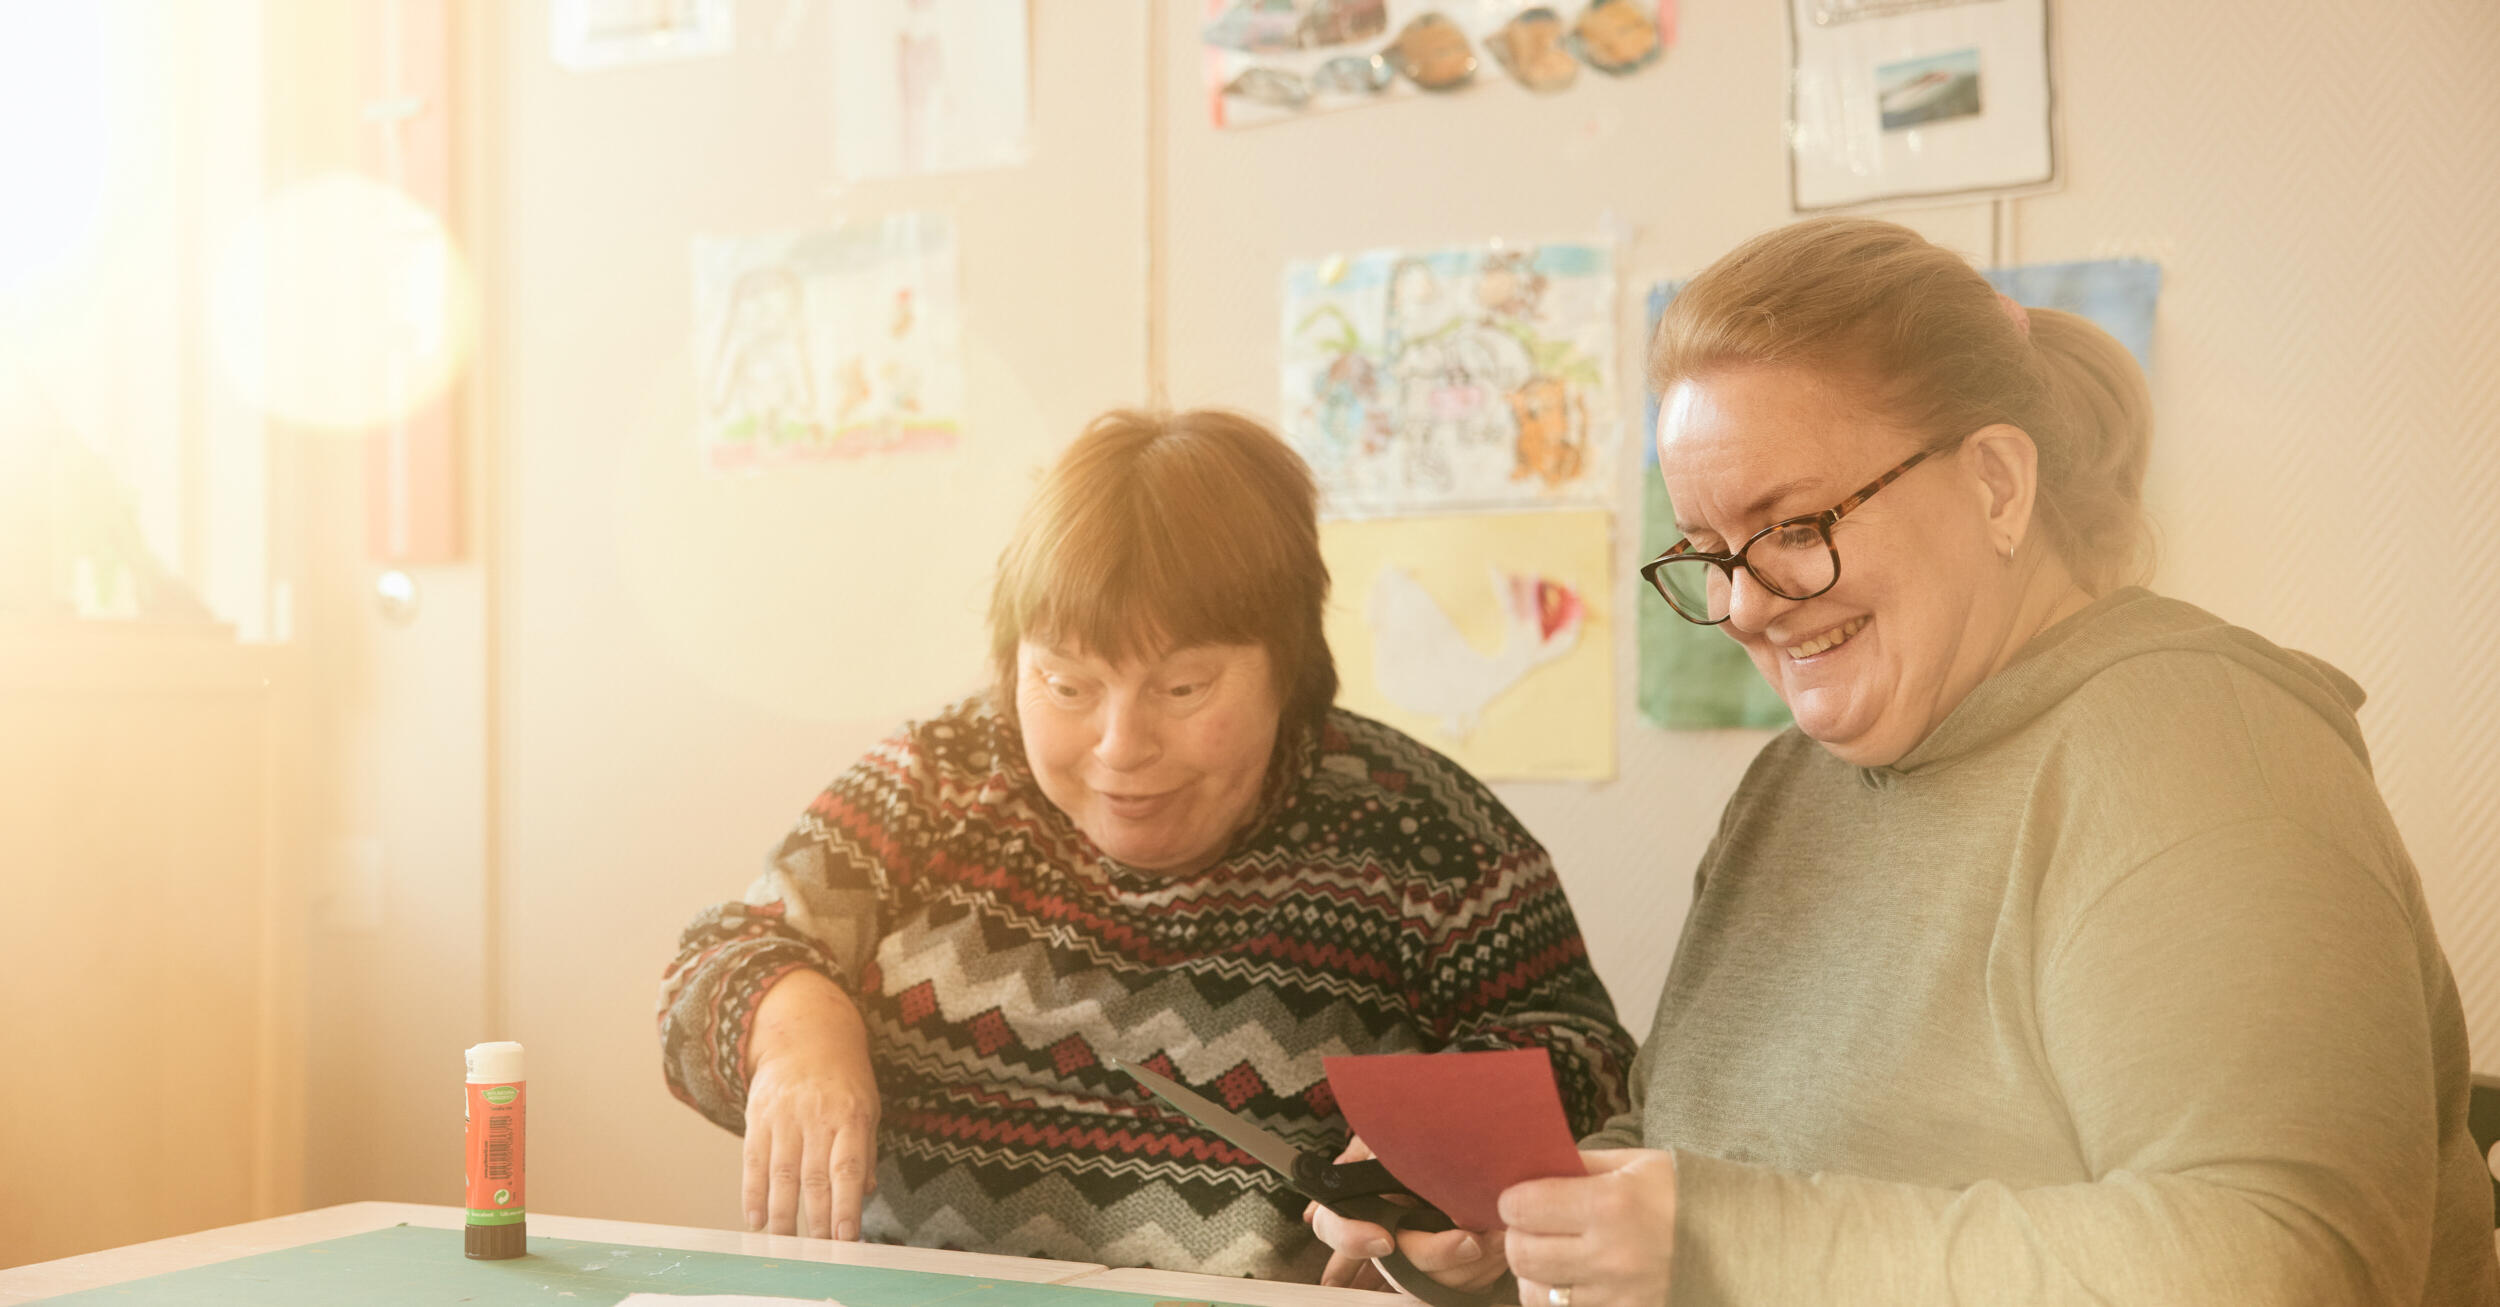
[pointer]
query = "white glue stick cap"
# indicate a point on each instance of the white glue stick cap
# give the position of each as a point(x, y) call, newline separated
point(498, 1063)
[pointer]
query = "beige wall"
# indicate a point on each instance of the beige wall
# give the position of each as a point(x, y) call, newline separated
point(669, 664)
point(687, 658)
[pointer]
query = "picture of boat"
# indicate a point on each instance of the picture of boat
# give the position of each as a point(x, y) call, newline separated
point(1929, 89)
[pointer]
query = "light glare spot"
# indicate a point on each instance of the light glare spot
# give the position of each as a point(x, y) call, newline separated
point(344, 305)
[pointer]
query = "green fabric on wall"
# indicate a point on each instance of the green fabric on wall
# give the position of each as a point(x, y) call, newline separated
point(1693, 678)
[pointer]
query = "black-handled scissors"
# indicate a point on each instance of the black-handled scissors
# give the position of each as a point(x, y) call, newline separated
point(1359, 1190)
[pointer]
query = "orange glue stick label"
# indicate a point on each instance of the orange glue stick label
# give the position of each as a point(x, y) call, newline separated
point(495, 1145)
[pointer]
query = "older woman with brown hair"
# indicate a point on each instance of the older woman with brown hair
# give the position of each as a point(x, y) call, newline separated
point(2064, 952)
point(1152, 840)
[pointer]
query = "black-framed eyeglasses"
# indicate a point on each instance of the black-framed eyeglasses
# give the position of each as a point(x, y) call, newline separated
point(1793, 558)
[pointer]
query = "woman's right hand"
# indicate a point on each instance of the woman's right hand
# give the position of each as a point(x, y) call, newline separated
point(1462, 1259)
point(811, 1138)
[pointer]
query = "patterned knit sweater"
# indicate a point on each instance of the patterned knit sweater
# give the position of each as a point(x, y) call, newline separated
point(1380, 900)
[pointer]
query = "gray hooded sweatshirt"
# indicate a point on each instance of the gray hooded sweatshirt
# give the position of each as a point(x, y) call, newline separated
point(2117, 988)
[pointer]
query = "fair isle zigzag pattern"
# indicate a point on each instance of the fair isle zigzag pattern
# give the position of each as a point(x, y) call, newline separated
point(1381, 901)
point(1059, 1215)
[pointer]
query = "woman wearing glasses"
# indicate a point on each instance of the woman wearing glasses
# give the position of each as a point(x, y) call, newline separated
point(2064, 952)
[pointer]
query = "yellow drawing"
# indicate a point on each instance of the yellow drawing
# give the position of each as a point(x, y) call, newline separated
point(1488, 637)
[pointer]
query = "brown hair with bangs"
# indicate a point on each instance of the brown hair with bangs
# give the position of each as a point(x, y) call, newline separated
point(1933, 346)
point(1158, 531)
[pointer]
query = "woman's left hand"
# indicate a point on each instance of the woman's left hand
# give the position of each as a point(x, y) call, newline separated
point(1461, 1259)
point(1608, 1236)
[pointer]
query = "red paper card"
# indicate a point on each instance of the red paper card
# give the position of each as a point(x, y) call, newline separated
point(1459, 1128)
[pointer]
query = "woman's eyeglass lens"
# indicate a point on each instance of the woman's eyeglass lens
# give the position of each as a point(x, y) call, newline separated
point(1794, 560)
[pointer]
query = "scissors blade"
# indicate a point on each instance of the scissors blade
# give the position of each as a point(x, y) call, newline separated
point(1250, 1139)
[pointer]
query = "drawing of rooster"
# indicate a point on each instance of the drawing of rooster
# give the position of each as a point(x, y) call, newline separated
point(1423, 664)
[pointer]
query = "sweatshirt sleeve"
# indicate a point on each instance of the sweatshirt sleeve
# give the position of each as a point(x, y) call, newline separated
point(1624, 1129)
point(821, 904)
point(2241, 1031)
point(1503, 966)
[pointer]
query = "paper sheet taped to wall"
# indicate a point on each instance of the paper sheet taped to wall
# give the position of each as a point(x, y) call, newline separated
point(1479, 377)
point(923, 86)
point(827, 344)
point(1487, 637)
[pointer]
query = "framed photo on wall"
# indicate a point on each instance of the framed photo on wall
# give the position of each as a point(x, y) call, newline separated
point(1918, 100)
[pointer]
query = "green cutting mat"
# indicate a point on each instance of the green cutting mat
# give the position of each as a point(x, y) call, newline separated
point(415, 1265)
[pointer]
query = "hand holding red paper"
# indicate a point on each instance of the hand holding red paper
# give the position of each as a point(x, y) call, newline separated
point(1459, 1128)
point(1607, 1237)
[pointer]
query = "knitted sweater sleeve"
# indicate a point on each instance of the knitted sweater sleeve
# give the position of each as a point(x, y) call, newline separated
point(821, 904)
point(1498, 962)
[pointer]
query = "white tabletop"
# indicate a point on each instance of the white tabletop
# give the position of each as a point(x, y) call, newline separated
point(114, 1265)
point(1169, 1285)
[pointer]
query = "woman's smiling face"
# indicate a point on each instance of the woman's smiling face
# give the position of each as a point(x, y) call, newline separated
point(1924, 607)
point(1158, 760)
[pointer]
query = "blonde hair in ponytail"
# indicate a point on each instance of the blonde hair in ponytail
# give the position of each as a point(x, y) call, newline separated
point(1927, 338)
point(2106, 408)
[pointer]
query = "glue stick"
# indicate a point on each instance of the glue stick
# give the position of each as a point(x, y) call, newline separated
point(497, 1105)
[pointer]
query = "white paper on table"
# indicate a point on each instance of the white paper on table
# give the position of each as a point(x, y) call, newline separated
point(922, 86)
point(1860, 64)
point(711, 1300)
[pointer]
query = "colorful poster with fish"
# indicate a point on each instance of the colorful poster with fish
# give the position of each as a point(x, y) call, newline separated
point(827, 344)
point(1457, 379)
point(1485, 636)
point(1276, 60)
